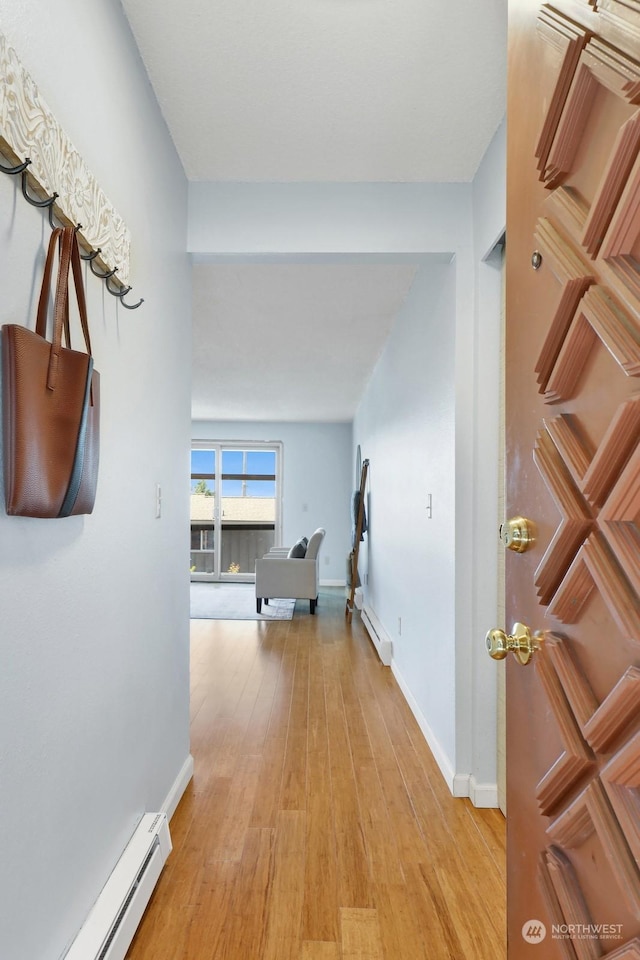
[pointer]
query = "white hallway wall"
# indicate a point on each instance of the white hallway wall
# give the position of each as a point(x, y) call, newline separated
point(406, 429)
point(94, 610)
point(443, 227)
point(317, 475)
point(438, 574)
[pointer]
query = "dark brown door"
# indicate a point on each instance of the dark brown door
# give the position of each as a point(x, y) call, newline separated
point(573, 469)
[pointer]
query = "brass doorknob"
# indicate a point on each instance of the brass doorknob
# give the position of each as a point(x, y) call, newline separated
point(518, 534)
point(521, 643)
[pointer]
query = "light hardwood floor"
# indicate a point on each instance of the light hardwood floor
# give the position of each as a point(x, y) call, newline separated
point(317, 825)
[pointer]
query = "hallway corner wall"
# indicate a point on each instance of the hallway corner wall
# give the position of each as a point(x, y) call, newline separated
point(405, 426)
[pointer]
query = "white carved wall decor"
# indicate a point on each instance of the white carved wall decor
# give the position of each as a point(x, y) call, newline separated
point(29, 129)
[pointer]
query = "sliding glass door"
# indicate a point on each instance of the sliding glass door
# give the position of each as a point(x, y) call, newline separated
point(204, 513)
point(235, 508)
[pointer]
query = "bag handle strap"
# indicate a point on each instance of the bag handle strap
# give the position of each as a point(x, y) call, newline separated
point(80, 295)
point(43, 302)
point(41, 320)
point(60, 308)
point(69, 255)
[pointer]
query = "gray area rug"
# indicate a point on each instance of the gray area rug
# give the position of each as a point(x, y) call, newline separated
point(235, 601)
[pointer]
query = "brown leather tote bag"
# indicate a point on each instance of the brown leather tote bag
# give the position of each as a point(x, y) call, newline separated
point(51, 401)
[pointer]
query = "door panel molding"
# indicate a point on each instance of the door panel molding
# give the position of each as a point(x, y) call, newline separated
point(621, 780)
point(597, 321)
point(615, 713)
point(565, 40)
point(574, 278)
point(614, 451)
point(566, 902)
point(600, 68)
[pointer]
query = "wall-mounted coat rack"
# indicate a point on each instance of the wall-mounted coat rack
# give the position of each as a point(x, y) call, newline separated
point(55, 177)
point(49, 203)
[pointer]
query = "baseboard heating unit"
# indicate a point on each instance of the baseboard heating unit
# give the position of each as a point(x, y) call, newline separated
point(378, 635)
point(114, 918)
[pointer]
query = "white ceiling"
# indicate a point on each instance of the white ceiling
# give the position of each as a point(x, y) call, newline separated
point(332, 323)
point(314, 90)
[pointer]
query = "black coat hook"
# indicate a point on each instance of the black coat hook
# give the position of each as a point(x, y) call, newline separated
point(36, 203)
point(13, 170)
point(53, 224)
point(101, 276)
point(132, 306)
point(122, 293)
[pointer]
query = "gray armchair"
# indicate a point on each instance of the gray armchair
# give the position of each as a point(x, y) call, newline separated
point(290, 576)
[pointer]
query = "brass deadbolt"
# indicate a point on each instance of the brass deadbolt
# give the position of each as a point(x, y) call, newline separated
point(518, 534)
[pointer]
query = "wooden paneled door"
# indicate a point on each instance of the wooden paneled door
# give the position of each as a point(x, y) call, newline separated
point(573, 470)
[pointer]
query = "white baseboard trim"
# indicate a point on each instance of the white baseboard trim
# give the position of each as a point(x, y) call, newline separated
point(480, 794)
point(333, 583)
point(440, 755)
point(381, 641)
point(179, 786)
point(460, 784)
point(483, 794)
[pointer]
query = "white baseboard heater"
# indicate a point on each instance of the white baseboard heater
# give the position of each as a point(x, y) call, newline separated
point(114, 918)
point(378, 635)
